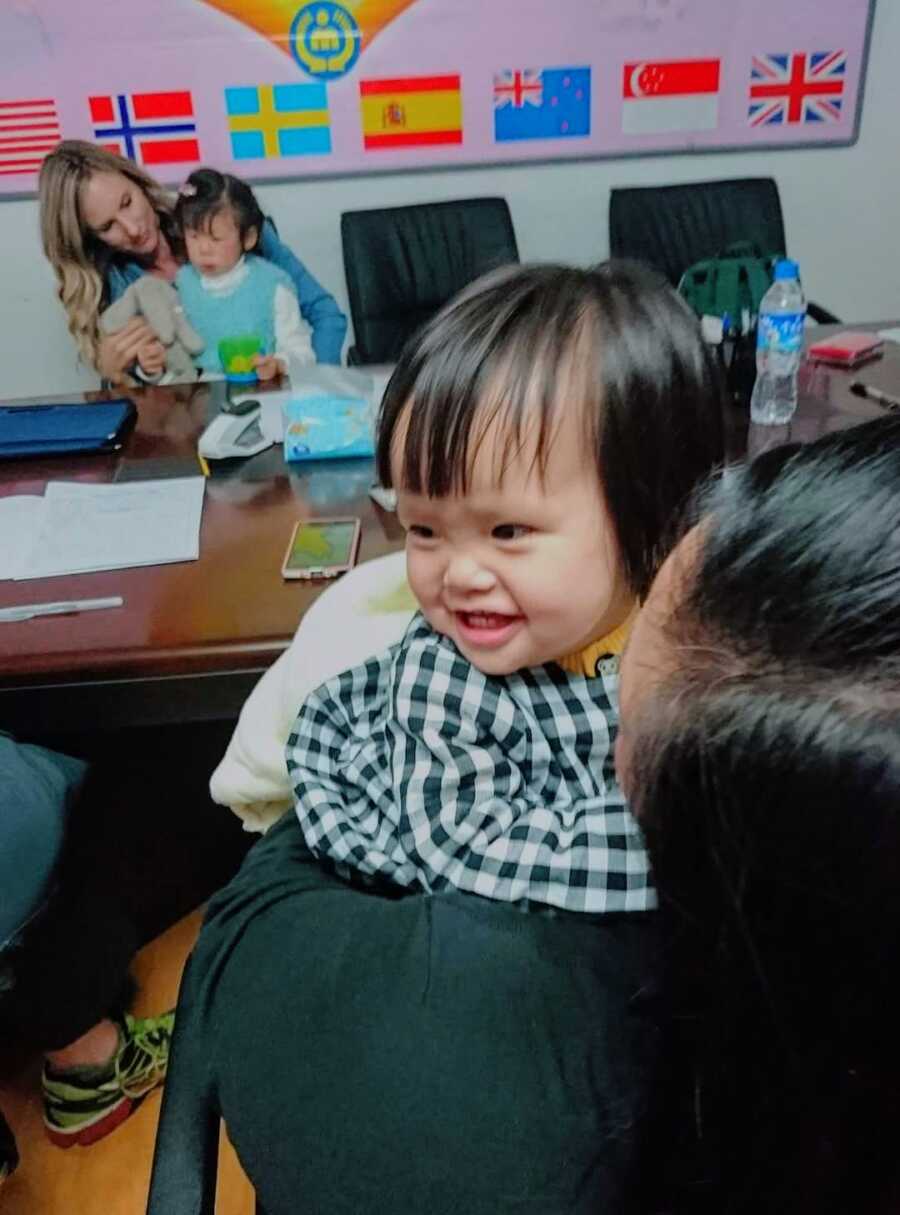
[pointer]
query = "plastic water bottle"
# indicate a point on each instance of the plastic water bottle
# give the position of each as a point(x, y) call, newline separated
point(779, 347)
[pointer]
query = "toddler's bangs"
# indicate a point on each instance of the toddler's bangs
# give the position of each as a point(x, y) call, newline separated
point(197, 215)
point(511, 382)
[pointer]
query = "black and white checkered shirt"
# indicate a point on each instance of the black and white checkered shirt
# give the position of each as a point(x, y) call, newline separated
point(418, 768)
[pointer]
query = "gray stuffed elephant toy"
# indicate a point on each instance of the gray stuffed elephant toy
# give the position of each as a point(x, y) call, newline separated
point(157, 302)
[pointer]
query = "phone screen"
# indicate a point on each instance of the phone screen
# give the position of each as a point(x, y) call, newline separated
point(318, 545)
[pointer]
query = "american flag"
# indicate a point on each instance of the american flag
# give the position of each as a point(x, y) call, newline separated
point(518, 88)
point(797, 88)
point(150, 128)
point(29, 130)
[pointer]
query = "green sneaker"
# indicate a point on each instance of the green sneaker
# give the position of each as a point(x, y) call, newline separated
point(82, 1105)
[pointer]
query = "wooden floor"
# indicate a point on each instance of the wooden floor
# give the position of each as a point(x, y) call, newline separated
point(111, 1177)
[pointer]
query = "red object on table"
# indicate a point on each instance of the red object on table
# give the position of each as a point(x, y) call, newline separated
point(847, 348)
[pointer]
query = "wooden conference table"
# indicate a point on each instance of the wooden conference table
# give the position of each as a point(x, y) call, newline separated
point(193, 638)
point(826, 402)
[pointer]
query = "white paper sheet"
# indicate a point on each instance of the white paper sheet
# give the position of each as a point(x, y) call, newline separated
point(103, 527)
point(890, 335)
point(20, 519)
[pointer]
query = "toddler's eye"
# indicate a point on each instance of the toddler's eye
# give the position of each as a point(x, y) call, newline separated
point(510, 531)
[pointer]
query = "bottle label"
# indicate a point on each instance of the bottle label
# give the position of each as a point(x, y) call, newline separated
point(780, 332)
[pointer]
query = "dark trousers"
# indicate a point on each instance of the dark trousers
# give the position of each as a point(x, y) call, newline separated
point(94, 864)
point(65, 940)
point(70, 971)
point(405, 1053)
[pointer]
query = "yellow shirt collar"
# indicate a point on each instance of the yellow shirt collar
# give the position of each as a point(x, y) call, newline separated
point(584, 662)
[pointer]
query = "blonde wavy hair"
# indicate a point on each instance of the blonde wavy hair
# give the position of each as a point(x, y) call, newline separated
point(78, 259)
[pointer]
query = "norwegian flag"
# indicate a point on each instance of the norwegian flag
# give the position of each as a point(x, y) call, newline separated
point(800, 87)
point(150, 128)
point(29, 130)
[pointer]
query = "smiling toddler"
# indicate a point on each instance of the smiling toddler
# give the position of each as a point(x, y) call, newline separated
point(542, 434)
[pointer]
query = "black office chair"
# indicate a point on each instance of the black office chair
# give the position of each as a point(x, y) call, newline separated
point(403, 263)
point(672, 227)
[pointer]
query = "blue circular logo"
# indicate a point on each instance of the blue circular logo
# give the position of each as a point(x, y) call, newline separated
point(325, 39)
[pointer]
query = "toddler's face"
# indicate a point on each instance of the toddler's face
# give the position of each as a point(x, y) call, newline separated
point(522, 569)
point(216, 247)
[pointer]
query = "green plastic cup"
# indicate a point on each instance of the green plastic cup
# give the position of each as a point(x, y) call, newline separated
point(236, 356)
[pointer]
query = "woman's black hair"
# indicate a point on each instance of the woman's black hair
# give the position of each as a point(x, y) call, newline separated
point(614, 342)
point(207, 192)
point(766, 775)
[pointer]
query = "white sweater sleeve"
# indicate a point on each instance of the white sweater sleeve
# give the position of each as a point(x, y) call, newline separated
point(359, 615)
point(292, 334)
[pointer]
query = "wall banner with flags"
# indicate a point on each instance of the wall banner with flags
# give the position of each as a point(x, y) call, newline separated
point(275, 89)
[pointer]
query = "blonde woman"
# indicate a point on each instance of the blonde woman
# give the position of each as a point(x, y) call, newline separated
point(104, 223)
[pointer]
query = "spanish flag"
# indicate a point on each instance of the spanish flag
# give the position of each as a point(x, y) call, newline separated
point(410, 111)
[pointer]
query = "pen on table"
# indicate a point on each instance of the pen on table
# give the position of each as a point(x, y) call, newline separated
point(64, 607)
point(859, 389)
point(204, 467)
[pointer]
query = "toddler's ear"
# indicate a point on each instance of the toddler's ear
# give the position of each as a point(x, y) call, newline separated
point(251, 237)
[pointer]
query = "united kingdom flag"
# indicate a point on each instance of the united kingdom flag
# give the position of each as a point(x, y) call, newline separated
point(800, 87)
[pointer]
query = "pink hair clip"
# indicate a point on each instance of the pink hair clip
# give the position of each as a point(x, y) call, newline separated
point(188, 190)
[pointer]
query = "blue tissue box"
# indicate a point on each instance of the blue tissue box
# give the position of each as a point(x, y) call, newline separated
point(328, 428)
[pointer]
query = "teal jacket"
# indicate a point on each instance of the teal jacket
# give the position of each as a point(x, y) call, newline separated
point(317, 307)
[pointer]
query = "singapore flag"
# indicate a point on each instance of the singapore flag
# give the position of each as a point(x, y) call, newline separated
point(675, 95)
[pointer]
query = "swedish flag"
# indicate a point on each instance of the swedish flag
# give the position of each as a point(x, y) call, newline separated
point(271, 120)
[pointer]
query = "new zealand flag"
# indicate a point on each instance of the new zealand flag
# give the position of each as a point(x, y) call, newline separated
point(542, 103)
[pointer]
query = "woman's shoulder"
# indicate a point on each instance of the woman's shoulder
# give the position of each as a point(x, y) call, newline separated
point(269, 272)
point(276, 253)
point(271, 246)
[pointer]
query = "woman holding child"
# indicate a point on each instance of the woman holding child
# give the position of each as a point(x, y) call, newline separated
point(437, 984)
point(427, 988)
point(105, 223)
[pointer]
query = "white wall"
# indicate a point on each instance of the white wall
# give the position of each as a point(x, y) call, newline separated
point(841, 206)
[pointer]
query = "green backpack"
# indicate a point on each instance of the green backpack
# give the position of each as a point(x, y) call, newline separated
point(730, 285)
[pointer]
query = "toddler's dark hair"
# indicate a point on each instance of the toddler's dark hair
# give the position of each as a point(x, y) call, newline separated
point(615, 342)
point(207, 192)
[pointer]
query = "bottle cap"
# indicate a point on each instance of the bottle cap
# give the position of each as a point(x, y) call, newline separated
point(785, 268)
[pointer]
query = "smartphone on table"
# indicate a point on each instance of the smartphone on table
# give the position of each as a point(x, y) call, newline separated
point(322, 548)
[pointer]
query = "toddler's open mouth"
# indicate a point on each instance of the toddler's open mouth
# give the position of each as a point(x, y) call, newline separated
point(486, 628)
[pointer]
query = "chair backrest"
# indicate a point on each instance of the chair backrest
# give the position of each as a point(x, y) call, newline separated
point(403, 263)
point(672, 227)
